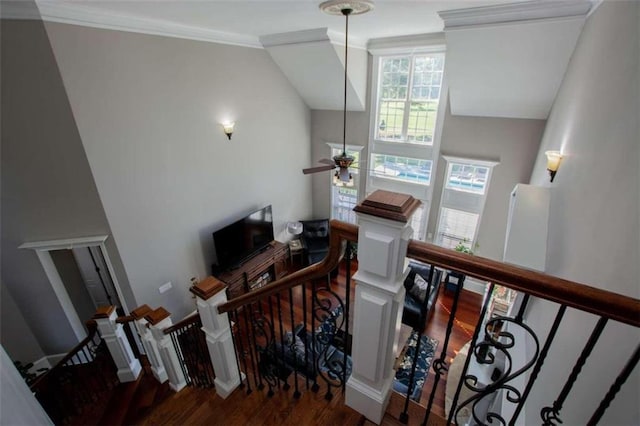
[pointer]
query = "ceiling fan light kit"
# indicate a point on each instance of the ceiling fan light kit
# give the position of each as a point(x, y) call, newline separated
point(342, 162)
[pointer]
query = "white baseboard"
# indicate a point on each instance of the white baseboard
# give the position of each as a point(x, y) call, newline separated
point(41, 363)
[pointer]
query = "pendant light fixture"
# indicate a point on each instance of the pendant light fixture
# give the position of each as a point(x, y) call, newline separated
point(342, 176)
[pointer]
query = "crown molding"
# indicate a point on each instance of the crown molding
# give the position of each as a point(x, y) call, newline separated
point(87, 16)
point(513, 12)
point(417, 43)
point(309, 36)
point(23, 10)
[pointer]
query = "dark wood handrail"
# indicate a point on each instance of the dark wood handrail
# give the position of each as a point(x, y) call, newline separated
point(182, 323)
point(125, 319)
point(575, 295)
point(611, 305)
point(339, 232)
point(92, 328)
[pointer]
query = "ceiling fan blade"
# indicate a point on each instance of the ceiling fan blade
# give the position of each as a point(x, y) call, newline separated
point(327, 161)
point(318, 169)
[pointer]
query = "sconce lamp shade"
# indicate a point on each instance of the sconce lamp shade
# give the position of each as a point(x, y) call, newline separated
point(553, 162)
point(294, 228)
point(228, 128)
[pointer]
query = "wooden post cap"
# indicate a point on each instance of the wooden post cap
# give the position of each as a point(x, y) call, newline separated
point(157, 315)
point(140, 311)
point(389, 205)
point(208, 288)
point(104, 311)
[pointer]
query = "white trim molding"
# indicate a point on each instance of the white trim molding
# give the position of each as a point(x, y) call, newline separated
point(512, 12)
point(43, 248)
point(310, 36)
point(88, 16)
point(486, 163)
point(407, 45)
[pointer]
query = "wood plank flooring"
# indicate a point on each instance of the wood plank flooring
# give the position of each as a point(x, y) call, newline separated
point(201, 406)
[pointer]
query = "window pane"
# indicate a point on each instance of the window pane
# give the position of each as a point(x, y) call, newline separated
point(467, 177)
point(390, 120)
point(401, 168)
point(344, 200)
point(422, 122)
point(456, 226)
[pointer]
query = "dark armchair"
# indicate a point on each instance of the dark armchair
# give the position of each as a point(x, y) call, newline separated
point(418, 302)
point(315, 240)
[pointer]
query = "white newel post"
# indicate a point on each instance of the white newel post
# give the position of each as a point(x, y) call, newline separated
point(383, 236)
point(160, 319)
point(113, 334)
point(149, 343)
point(210, 293)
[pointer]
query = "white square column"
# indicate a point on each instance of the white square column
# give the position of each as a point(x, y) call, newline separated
point(384, 234)
point(149, 343)
point(129, 367)
point(160, 319)
point(210, 294)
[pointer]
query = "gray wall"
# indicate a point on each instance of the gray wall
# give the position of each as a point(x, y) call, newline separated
point(594, 214)
point(48, 191)
point(148, 110)
point(73, 282)
point(17, 338)
point(514, 142)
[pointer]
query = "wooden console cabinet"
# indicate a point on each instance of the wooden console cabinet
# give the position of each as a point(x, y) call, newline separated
point(272, 264)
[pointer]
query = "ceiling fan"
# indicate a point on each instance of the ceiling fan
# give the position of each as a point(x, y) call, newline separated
point(342, 162)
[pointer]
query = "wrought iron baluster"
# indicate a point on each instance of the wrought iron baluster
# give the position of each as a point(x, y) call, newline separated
point(615, 387)
point(296, 394)
point(252, 325)
point(550, 415)
point(347, 297)
point(282, 364)
point(314, 348)
point(273, 348)
point(539, 363)
point(247, 326)
point(440, 365)
point(476, 332)
point(240, 353)
point(304, 335)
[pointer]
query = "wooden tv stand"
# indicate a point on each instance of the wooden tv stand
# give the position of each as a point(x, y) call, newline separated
point(271, 264)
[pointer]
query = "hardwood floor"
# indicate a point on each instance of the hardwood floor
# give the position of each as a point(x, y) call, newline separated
point(202, 406)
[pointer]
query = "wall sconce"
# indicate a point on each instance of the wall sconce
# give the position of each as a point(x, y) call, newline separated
point(228, 128)
point(553, 162)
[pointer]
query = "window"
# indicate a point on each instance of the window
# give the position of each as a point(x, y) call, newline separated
point(409, 93)
point(402, 168)
point(457, 226)
point(405, 124)
point(463, 197)
point(344, 199)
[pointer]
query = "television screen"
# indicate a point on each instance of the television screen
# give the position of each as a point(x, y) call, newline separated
point(244, 238)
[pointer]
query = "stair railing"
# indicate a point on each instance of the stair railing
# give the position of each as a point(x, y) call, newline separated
point(191, 347)
point(80, 381)
point(294, 332)
point(262, 319)
point(494, 339)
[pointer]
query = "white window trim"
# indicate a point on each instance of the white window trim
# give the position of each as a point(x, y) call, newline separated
point(490, 164)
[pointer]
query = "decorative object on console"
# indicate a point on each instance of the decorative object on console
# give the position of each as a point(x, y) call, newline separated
point(342, 162)
point(228, 127)
point(294, 228)
point(553, 162)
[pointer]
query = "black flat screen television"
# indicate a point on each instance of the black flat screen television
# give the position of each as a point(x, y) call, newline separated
point(243, 239)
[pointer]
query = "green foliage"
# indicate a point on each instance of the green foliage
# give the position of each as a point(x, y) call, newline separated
point(463, 247)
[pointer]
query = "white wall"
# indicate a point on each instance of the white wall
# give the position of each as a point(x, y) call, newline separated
point(148, 110)
point(594, 215)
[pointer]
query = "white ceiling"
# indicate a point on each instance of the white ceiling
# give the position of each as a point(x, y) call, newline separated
point(247, 20)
